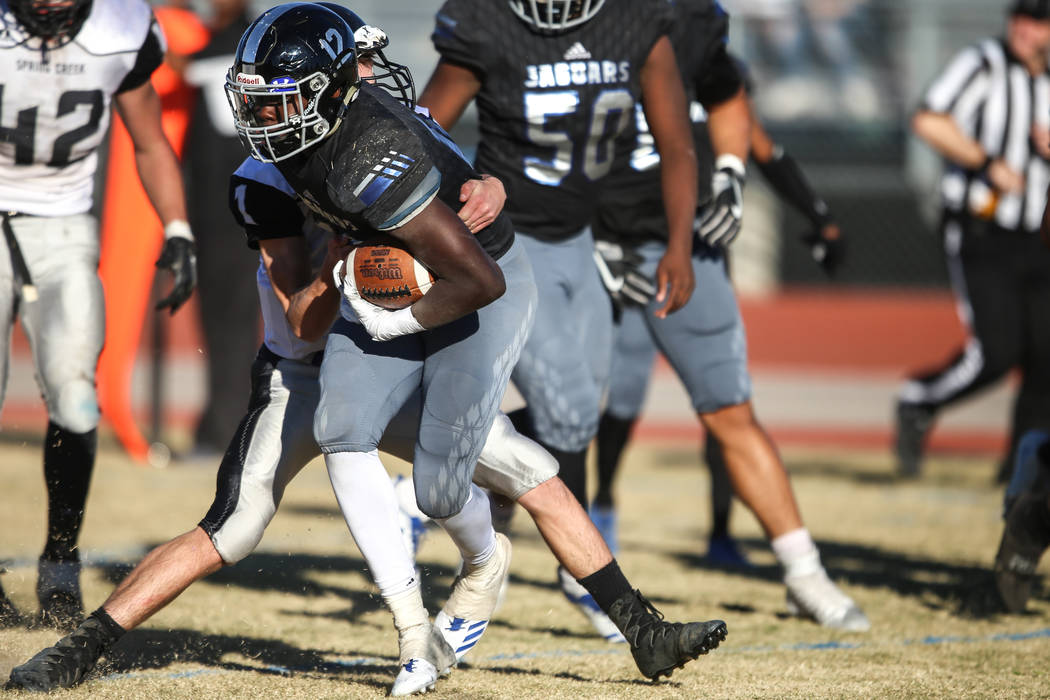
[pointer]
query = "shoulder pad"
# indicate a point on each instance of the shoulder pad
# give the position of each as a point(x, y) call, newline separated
point(264, 174)
point(115, 26)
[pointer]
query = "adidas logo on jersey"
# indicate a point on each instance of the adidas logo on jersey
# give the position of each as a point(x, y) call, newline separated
point(576, 52)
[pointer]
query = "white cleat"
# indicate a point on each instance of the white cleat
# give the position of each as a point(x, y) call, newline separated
point(586, 604)
point(816, 597)
point(475, 596)
point(425, 656)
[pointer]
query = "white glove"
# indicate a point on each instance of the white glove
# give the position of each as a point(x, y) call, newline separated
point(382, 324)
point(618, 268)
point(719, 222)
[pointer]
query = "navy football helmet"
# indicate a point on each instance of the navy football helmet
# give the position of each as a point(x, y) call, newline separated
point(293, 77)
point(395, 78)
point(553, 16)
point(56, 22)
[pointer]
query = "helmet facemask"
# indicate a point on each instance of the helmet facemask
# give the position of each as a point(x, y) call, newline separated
point(555, 15)
point(54, 22)
point(395, 78)
point(278, 120)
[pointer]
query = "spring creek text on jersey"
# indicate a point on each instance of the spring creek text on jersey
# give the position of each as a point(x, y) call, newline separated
point(49, 67)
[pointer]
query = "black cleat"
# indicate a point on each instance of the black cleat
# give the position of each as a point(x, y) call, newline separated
point(1025, 538)
point(61, 610)
point(913, 425)
point(67, 662)
point(659, 647)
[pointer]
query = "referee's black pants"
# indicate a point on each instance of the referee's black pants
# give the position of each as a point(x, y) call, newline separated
point(1001, 281)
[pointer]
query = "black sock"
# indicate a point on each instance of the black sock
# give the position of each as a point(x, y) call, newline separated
point(613, 435)
point(606, 585)
point(721, 488)
point(572, 468)
point(110, 627)
point(69, 459)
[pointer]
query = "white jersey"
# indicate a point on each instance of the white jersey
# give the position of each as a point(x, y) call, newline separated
point(55, 104)
point(266, 206)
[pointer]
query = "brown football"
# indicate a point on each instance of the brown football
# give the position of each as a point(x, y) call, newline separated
point(387, 275)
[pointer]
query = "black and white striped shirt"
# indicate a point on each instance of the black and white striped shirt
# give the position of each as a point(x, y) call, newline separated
point(994, 100)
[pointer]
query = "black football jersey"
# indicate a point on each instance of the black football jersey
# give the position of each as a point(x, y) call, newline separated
point(381, 165)
point(551, 106)
point(631, 204)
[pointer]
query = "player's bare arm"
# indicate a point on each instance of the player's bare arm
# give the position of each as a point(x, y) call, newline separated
point(780, 170)
point(310, 303)
point(468, 278)
point(161, 177)
point(666, 111)
point(732, 128)
point(943, 134)
point(449, 91)
point(483, 200)
point(155, 160)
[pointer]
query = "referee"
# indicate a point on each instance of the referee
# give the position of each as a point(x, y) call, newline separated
point(988, 114)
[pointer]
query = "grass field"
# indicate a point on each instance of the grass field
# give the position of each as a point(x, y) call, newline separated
point(299, 619)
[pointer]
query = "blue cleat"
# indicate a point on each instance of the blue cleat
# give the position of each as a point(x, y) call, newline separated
point(723, 551)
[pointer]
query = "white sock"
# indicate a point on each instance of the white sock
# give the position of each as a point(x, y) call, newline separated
point(797, 553)
point(366, 497)
point(407, 608)
point(471, 528)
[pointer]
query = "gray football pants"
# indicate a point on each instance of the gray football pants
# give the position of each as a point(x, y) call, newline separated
point(66, 323)
point(564, 366)
point(461, 368)
point(704, 341)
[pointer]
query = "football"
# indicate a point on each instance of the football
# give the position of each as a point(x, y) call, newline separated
point(387, 275)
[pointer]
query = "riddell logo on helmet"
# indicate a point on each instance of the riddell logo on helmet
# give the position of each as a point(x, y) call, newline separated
point(246, 79)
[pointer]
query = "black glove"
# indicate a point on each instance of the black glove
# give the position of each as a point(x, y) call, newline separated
point(827, 252)
point(718, 223)
point(618, 268)
point(178, 255)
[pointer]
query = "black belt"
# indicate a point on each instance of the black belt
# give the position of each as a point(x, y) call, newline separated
point(18, 262)
point(269, 355)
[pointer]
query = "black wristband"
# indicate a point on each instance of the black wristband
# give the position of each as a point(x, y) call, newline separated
point(988, 160)
point(784, 174)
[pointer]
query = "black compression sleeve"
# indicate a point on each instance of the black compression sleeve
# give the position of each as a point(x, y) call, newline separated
point(783, 173)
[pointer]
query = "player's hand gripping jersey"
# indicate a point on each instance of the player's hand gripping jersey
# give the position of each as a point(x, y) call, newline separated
point(631, 204)
point(382, 165)
point(551, 109)
point(54, 103)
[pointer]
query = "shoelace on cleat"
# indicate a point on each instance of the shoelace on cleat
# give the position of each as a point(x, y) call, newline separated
point(644, 619)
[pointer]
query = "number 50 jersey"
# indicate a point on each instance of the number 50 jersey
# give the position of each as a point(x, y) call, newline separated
point(551, 105)
point(55, 104)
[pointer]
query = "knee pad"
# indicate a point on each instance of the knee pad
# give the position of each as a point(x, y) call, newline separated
point(510, 463)
point(441, 497)
point(75, 406)
point(240, 534)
